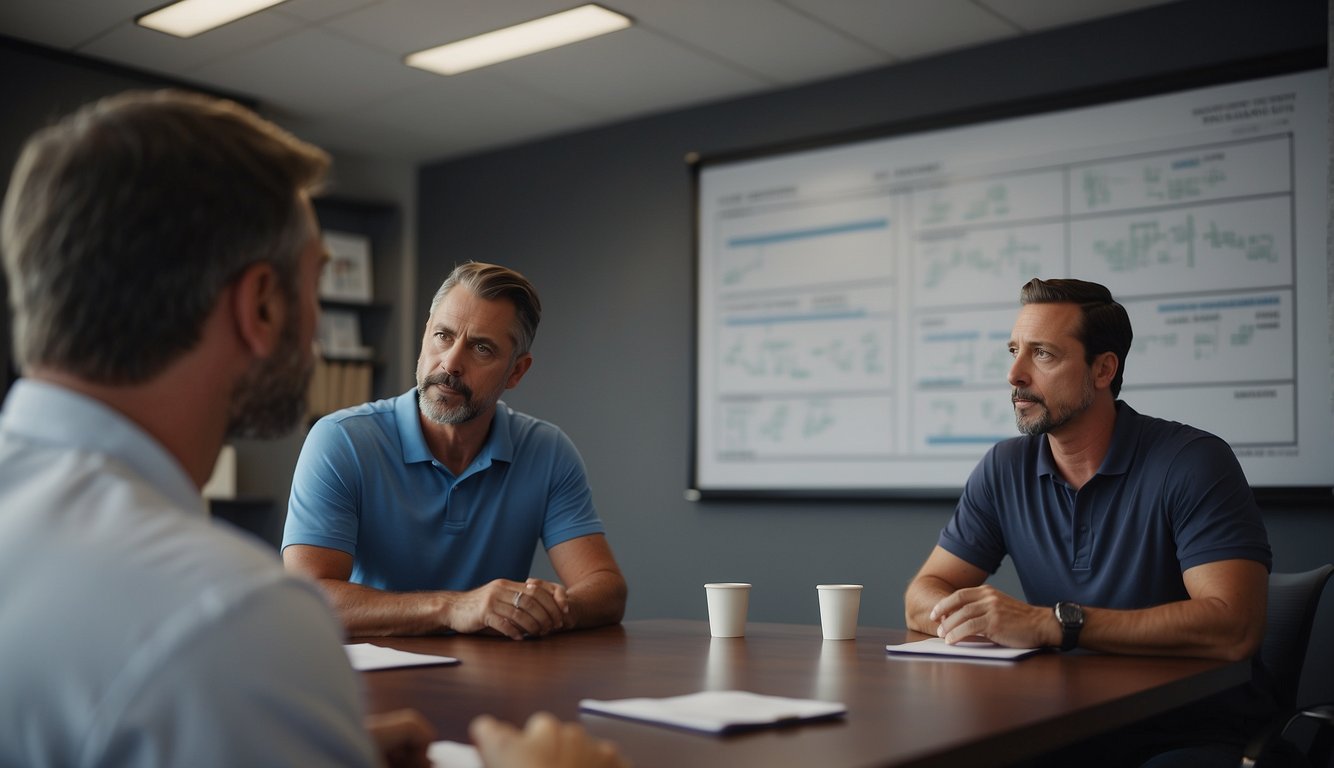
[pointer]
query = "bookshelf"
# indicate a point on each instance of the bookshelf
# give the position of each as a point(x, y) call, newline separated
point(356, 322)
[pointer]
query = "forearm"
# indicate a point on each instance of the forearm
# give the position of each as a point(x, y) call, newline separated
point(921, 596)
point(597, 600)
point(372, 612)
point(1202, 627)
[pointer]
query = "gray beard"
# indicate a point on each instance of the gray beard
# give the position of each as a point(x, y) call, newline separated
point(434, 411)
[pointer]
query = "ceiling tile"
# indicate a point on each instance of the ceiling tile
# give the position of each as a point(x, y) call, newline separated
point(333, 69)
point(1033, 15)
point(628, 73)
point(782, 45)
point(66, 23)
point(405, 26)
point(132, 45)
point(909, 29)
point(313, 72)
point(320, 10)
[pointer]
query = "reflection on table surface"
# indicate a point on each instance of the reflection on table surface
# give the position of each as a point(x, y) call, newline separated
point(901, 710)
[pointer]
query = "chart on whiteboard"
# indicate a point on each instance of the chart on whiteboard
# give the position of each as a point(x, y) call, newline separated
point(855, 302)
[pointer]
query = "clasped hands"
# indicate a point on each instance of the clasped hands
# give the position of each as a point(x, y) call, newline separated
point(986, 613)
point(515, 609)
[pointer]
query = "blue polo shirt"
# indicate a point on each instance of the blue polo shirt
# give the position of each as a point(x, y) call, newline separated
point(367, 484)
point(1167, 497)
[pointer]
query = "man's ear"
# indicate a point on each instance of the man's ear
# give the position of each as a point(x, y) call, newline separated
point(1104, 369)
point(521, 367)
point(257, 307)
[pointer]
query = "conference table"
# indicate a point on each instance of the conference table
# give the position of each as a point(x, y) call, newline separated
point(901, 710)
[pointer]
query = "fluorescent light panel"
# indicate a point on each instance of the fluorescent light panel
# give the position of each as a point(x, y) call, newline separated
point(190, 17)
point(519, 40)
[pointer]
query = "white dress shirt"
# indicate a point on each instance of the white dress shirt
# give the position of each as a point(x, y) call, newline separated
point(135, 631)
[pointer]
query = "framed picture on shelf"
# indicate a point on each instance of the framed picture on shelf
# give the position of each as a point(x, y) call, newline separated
point(347, 276)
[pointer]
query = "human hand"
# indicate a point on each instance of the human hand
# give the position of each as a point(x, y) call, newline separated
point(401, 737)
point(513, 609)
point(986, 613)
point(545, 742)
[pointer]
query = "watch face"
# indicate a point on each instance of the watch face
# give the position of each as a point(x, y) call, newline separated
point(1069, 613)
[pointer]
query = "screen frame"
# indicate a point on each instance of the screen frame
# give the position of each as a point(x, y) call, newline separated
point(1295, 62)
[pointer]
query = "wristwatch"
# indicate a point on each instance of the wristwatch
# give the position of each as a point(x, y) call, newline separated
point(1071, 617)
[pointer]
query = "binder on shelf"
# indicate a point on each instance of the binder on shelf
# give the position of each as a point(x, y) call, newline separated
point(337, 384)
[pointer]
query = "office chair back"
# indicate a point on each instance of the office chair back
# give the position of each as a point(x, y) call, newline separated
point(1293, 600)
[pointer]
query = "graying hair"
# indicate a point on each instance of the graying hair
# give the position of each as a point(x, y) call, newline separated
point(126, 220)
point(491, 282)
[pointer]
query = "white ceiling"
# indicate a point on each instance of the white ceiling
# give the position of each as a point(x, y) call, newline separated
point(332, 70)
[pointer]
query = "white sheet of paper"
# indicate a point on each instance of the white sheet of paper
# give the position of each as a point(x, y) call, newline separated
point(451, 754)
point(716, 711)
point(975, 650)
point(365, 656)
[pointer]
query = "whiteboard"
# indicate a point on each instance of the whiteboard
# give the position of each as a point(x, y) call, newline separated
point(854, 301)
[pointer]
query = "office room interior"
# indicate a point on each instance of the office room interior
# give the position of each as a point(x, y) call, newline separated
point(597, 208)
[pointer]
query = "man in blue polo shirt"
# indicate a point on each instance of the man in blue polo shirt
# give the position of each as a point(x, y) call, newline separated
point(421, 513)
point(1129, 534)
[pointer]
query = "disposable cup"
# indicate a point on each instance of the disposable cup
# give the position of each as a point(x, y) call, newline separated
point(728, 602)
point(838, 610)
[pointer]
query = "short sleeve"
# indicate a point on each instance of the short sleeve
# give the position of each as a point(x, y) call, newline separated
point(324, 509)
point(1212, 507)
point(973, 533)
point(570, 512)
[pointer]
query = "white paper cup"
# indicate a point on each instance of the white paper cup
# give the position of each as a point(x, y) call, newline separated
point(728, 603)
point(838, 610)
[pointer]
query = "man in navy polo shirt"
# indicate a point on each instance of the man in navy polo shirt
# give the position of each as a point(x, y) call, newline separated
point(1129, 534)
point(421, 513)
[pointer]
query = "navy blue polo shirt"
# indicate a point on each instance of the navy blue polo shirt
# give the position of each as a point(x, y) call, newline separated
point(1167, 497)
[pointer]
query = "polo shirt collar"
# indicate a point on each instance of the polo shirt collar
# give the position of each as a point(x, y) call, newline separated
point(1125, 439)
point(1120, 453)
point(53, 415)
point(411, 439)
point(499, 444)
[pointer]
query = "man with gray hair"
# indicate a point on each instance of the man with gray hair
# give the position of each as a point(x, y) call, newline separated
point(421, 513)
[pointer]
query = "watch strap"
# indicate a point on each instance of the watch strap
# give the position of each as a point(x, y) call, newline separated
point(1070, 627)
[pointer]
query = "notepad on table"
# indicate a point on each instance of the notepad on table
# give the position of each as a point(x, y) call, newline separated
point(718, 711)
point(934, 646)
point(365, 657)
point(452, 754)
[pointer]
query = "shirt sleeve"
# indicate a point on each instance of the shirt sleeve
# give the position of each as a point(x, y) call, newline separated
point(570, 512)
point(1212, 507)
point(324, 508)
point(265, 683)
point(973, 533)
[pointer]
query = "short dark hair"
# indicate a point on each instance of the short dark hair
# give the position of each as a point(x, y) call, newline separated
point(126, 220)
point(492, 281)
point(1104, 325)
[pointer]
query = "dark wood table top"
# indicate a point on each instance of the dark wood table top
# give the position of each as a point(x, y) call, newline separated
point(902, 711)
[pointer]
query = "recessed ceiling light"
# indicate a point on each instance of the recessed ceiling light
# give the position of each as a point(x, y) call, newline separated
point(519, 40)
point(190, 17)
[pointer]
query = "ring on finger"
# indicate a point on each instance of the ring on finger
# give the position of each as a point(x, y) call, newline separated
point(517, 597)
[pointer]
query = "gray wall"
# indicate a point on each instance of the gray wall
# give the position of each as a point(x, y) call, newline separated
point(601, 221)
